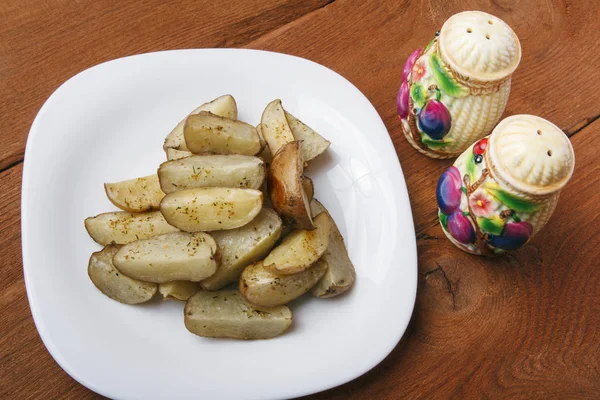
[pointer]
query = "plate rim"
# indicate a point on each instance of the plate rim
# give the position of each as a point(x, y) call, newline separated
point(41, 328)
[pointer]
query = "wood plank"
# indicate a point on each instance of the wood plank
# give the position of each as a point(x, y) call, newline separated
point(43, 43)
point(368, 44)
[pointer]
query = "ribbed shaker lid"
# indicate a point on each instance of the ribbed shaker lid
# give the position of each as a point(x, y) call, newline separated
point(479, 46)
point(531, 154)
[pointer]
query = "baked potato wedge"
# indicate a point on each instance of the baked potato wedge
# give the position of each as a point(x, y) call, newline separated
point(226, 314)
point(242, 246)
point(285, 186)
point(123, 227)
point(169, 257)
point(223, 106)
point(135, 195)
point(178, 290)
point(265, 154)
point(115, 284)
point(212, 171)
point(275, 127)
point(340, 275)
point(308, 187)
point(313, 143)
point(263, 288)
point(300, 249)
point(211, 209)
point(174, 154)
point(210, 133)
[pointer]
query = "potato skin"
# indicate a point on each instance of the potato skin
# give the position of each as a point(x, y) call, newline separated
point(114, 284)
point(341, 274)
point(226, 314)
point(285, 186)
point(263, 288)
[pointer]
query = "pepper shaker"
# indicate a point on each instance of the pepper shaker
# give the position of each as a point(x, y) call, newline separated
point(455, 91)
point(503, 189)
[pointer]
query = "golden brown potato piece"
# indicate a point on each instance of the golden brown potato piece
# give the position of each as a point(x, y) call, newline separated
point(178, 290)
point(340, 275)
point(264, 288)
point(135, 195)
point(300, 249)
point(122, 227)
point(174, 154)
point(169, 257)
point(285, 186)
point(211, 209)
point(242, 246)
point(212, 171)
point(223, 106)
point(226, 314)
point(115, 284)
point(209, 133)
point(308, 187)
point(274, 126)
point(313, 143)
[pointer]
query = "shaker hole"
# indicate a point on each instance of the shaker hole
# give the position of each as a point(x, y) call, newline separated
point(539, 132)
point(469, 30)
point(487, 36)
point(490, 22)
point(549, 153)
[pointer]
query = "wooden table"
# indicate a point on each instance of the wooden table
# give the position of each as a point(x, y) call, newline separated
point(526, 325)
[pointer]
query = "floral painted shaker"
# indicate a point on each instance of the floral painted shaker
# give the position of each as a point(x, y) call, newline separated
point(455, 91)
point(502, 190)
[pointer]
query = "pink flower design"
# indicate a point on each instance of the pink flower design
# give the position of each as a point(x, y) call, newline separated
point(418, 71)
point(480, 204)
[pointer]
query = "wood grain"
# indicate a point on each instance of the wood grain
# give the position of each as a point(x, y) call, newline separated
point(526, 325)
point(43, 43)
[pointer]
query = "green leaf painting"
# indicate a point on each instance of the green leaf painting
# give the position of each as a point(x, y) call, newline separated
point(433, 144)
point(429, 45)
point(445, 81)
point(418, 94)
point(511, 201)
point(493, 225)
point(444, 220)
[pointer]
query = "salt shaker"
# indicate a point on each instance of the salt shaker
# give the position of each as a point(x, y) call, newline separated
point(503, 189)
point(455, 91)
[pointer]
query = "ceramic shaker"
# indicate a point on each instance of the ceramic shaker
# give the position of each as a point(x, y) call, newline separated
point(502, 190)
point(455, 91)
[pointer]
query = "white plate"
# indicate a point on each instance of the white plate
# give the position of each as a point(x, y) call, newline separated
point(108, 123)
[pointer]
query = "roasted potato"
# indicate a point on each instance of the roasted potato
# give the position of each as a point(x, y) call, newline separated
point(209, 133)
point(242, 246)
point(285, 186)
point(135, 195)
point(223, 106)
point(178, 290)
point(115, 284)
point(169, 257)
point(313, 143)
point(300, 249)
point(226, 314)
point(263, 142)
point(174, 154)
point(274, 126)
point(123, 227)
point(265, 154)
point(340, 275)
point(211, 209)
point(308, 187)
point(264, 288)
point(212, 171)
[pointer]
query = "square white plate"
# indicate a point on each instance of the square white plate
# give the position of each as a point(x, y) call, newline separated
point(107, 124)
